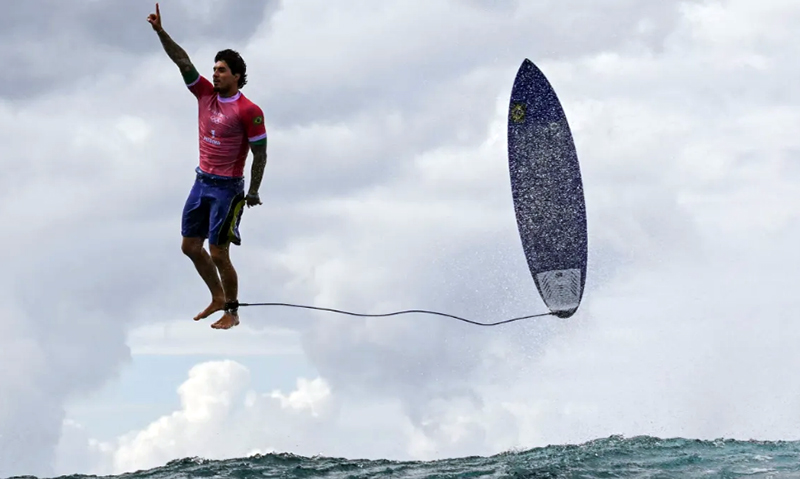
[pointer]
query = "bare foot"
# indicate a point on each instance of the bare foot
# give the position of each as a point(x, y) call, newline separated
point(216, 305)
point(227, 321)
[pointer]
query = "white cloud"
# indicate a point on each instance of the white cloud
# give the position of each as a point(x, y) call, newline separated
point(309, 397)
point(220, 416)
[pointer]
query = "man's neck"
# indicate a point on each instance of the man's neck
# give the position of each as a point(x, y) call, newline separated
point(228, 93)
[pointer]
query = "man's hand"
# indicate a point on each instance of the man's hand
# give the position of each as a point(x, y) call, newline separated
point(252, 199)
point(155, 19)
point(174, 51)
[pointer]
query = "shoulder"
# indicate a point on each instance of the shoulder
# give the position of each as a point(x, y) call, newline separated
point(199, 85)
point(248, 106)
point(253, 120)
point(250, 111)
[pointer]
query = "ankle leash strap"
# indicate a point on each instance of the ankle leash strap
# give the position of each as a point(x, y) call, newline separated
point(232, 307)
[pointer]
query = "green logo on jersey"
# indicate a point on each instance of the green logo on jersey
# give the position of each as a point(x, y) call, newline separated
point(258, 120)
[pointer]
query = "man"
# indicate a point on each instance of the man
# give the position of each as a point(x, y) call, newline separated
point(228, 124)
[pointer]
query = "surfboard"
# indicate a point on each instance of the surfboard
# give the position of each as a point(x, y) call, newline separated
point(547, 190)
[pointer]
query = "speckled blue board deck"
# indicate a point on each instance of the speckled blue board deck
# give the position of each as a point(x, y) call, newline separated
point(547, 191)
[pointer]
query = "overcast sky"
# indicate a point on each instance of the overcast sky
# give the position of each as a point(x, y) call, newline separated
point(387, 188)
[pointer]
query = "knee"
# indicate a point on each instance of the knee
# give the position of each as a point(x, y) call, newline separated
point(192, 249)
point(218, 254)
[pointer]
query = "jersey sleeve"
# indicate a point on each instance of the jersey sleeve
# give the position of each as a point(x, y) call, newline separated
point(253, 119)
point(198, 84)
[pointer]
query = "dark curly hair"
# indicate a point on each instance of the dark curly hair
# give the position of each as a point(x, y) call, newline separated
point(235, 63)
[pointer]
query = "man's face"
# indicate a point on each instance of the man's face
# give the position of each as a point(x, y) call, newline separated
point(223, 79)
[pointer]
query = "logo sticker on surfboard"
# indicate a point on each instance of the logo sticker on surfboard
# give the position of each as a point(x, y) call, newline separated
point(518, 113)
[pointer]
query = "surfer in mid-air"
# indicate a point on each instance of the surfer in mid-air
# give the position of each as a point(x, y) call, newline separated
point(229, 125)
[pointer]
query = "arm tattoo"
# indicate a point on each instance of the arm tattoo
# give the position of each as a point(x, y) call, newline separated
point(259, 162)
point(175, 52)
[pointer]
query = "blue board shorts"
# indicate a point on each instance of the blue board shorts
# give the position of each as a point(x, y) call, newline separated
point(213, 209)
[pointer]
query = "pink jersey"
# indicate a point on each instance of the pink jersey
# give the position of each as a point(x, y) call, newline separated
point(226, 127)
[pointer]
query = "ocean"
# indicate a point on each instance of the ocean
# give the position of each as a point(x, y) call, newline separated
point(612, 457)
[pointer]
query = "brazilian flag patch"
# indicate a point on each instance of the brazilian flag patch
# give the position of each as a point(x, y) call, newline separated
point(258, 120)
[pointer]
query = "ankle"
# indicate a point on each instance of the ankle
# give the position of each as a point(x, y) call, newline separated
point(232, 306)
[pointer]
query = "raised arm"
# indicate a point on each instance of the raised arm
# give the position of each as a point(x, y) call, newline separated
point(174, 51)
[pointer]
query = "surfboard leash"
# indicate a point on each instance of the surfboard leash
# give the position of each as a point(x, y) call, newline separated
point(235, 306)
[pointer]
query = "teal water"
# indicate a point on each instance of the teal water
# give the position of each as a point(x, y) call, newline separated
point(613, 457)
